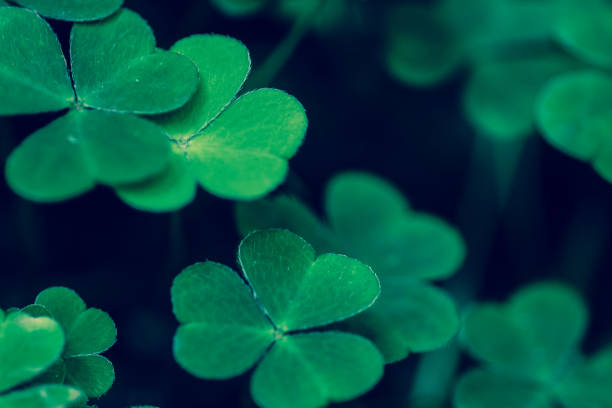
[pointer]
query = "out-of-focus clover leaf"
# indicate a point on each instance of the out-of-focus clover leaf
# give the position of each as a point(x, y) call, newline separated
point(582, 130)
point(116, 71)
point(501, 93)
point(88, 331)
point(239, 7)
point(3, 3)
point(227, 326)
point(586, 31)
point(237, 149)
point(530, 347)
point(28, 346)
point(372, 221)
point(73, 10)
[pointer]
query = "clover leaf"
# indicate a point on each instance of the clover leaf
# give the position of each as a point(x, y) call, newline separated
point(235, 149)
point(239, 7)
point(73, 10)
point(88, 331)
point(116, 69)
point(530, 349)
point(28, 346)
point(227, 326)
point(371, 220)
point(584, 130)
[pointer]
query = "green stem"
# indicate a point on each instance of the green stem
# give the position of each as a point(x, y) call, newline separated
point(283, 51)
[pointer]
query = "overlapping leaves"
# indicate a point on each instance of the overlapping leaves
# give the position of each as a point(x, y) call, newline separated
point(28, 347)
point(530, 348)
point(370, 220)
point(88, 332)
point(228, 326)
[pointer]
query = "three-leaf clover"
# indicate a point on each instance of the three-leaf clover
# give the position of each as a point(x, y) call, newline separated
point(227, 326)
point(29, 346)
point(530, 348)
point(372, 221)
point(117, 72)
point(235, 149)
point(88, 332)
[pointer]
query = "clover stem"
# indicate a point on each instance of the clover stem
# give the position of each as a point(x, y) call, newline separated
point(283, 51)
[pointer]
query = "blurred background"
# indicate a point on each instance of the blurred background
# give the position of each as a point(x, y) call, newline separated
point(526, 210)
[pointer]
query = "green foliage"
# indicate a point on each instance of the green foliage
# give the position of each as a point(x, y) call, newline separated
point(239, 7)
point(228, 326)
point(530, 348)
point(88, 332)
point(73, 153)
point(581, 130)
point(371, 220)
point(73, 10)
point(235, 149)
point(29, 346)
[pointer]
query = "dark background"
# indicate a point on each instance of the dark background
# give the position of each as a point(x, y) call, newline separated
point(555, 222)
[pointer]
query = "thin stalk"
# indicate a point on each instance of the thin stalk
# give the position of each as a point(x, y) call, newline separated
point(283, 51)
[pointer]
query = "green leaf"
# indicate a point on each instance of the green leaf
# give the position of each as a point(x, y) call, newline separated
point(73, 10)
point(223, 332)
point(310, 370)
point(501, 94)
point(307, 292)
point(93, 374)
point(421, 50)
point(56, 374)
point(538, 328)
point(46, 396)
point(408, 317)
point(3, 3)
point(115, 66)
point(582, 130)
point(67, 157)
point(243, 154)
point(239, 7)
point(171, 190)
point(93, 331)
point(223, 64)
point(485, 389)
point(586, 32)
point(288, 213)
point(64, 305)
point(28, 346)
point(33, 73)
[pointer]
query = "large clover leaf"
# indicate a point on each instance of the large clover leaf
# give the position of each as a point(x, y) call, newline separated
point(235, 149)
point(116, 69)
point(371, 220)
point(530, 347)
point(88, 332)
point(29, 346)
point(227, 326)
point(73, 10)
point(582, 130)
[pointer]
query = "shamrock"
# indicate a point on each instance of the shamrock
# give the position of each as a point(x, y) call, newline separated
point(73, 10)
point(116, 71)
point(235, 149)
point(227, 326)
point(88, 332)
point(530, 348)
point(28, 346)
point(371, 220)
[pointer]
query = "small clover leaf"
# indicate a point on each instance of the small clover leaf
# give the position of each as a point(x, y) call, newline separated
point(29, 346)
point(583, 130)
point(227, 326)
point(73, 10)
point(89, 332)
point(235, 149)
point(116, 69)
point(371, 220)
point(529, 346)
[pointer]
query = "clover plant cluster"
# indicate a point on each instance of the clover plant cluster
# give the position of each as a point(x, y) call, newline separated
point(529, 62)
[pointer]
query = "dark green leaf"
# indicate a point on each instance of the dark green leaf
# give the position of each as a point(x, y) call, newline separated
point(223, 331)
point(310, 370)
point(93, 331)
point(299, 291)
point(239, 7)
point(93, 374)
point(46, 396)
point(115, 66)
point(33, 74)
point(73, 10)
